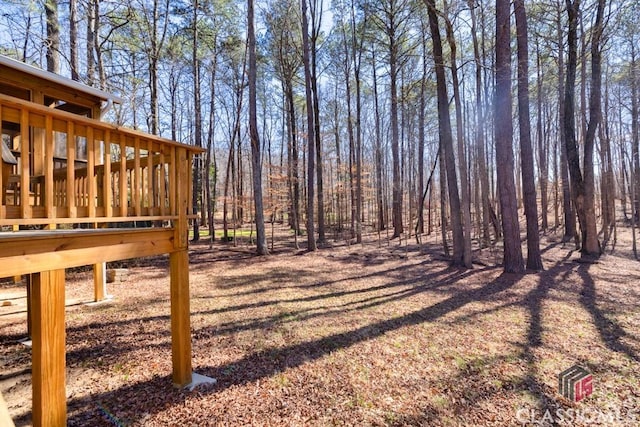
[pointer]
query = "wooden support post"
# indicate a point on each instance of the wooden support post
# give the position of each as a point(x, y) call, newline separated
point(122, 177)
point(5, 171)
point(100, 281)
point(72, 203)
point(151, 196)
point(16, 279)
point(107, 178)
point(173, 181)
point(48, 349)
point(25, 200)
point(162, 179)
point(37, 139)
point(179, 265)
point(180, 318)
point(136, 180)
point(91, 189)
point(29, 305)
point(49, 149)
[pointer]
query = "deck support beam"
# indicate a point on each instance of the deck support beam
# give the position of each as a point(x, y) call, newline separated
point(99, 281)
point(180, 318)
point(48, 349)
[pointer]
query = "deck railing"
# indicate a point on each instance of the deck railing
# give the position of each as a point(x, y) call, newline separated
point(62, 168)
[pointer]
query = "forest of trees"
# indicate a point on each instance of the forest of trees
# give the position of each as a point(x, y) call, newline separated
point(475, 121)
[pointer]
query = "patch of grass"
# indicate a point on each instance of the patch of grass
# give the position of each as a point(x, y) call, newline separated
point(241, 232)
point(461, 363)
point(281, 380)
point(439, 401)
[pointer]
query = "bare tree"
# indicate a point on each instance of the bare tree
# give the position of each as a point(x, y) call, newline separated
point(462, 162)
point(543, 144)
point(390, 18)
point(197, 131)
point(381, 224)
point(311, 238)
point(445, 135)
point(256, 159)
point(73, 39)
point(480, 140)
point(283, 38)
point(513, 262)
point(582, 180)
point(567, 203)
point(534, 259)
point(92, 30)
point(153, 24)
point(53, 36)
point(634, 76)
point(421, 125)
point(316, 24)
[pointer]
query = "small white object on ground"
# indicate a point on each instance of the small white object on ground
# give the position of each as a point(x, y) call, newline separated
point(197, 379)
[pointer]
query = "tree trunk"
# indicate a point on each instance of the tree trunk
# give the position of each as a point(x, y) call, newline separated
point(534, 259)
point(339, 171)
point(311, 238)
point(607, 186)
point(316, 23)
point(27, 37)
point(570, 232)
point(543, 150)
point(53, 36)
point(513, 262)
point(356, 54)
point(591, 244)
point(446, 138)
point(256, 160)
point(378, 148)
point(443, 202)
point(91, 39)
point(582, 185)
point(396, 202)
point(294, 177)
point(154, 118)
point(462, 163)
point(635, 131)
point(480, 140)
point(211, 157)
point(197, 131)
point(352, 175)
point(226, 196)
point(102, 75)
point(73, 39)
point(421, 125)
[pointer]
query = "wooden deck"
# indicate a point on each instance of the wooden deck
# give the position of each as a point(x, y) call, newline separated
point(125, 173)
point(61, 210)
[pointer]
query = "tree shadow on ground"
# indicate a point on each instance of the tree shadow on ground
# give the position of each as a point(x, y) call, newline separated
point(268, 362)
point(273, 360)
point(610, 331)
point(533, 304)
point(439, 280)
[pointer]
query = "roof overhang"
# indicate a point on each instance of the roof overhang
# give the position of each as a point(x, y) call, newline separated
point(58, 80)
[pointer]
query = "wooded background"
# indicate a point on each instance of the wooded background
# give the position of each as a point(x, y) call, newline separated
point(462, 118)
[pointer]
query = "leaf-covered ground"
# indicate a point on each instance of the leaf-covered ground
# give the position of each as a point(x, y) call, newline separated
point(373, 334)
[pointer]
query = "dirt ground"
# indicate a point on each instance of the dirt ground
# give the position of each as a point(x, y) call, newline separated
point(383, 333)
